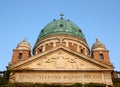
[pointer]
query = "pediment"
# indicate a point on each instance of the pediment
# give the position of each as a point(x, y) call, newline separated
point(60, 59)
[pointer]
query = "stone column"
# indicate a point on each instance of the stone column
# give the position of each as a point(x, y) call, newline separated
point(67, 44)
point(78, 48)
point(43, 48)
point(54, 44)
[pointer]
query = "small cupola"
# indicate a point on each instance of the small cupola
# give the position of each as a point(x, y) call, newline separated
point(24, 45)
point(98, 45)
point(21, 52)
point(100, 53)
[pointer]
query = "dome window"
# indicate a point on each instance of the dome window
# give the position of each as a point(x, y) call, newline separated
point(68, 20)
point(54, 19)
point(61, 25)
point(42, 30)
point(80, 30)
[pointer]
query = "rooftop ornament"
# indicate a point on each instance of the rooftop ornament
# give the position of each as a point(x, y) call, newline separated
point(61, 15)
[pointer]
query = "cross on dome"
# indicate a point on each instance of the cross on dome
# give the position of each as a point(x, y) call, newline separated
point(61, 15)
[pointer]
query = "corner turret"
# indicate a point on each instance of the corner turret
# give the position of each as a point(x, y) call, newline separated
point(21, 52)
point(100, 53)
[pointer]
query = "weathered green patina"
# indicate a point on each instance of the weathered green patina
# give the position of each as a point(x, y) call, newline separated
point(61, 26)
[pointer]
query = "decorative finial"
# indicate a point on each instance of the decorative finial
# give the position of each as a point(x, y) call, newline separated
point(25, 39)
point(97, 40)
point(61, 15)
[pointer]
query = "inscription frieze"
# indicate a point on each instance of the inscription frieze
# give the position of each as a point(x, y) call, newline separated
point(79, 76)
point(56, 77)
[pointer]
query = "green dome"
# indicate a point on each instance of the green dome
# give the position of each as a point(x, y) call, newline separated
point(61, 26)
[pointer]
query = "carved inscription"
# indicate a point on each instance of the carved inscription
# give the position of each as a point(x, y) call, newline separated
point(87, 76)
point(57, 77)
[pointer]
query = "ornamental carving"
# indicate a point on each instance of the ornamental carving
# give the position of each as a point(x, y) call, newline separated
point(60, 60)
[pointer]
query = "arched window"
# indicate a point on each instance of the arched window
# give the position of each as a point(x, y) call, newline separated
point(101, 57)
point(81, 51)
point(20, 56)
point(40, 49)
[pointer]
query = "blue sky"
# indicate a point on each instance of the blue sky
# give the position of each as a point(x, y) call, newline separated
point(21, 19)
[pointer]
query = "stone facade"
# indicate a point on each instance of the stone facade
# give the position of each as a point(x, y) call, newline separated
point(62, 58)
point(60, 65)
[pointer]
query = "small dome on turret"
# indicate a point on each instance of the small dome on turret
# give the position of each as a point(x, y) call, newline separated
point(98, 45)
point(24, 45)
